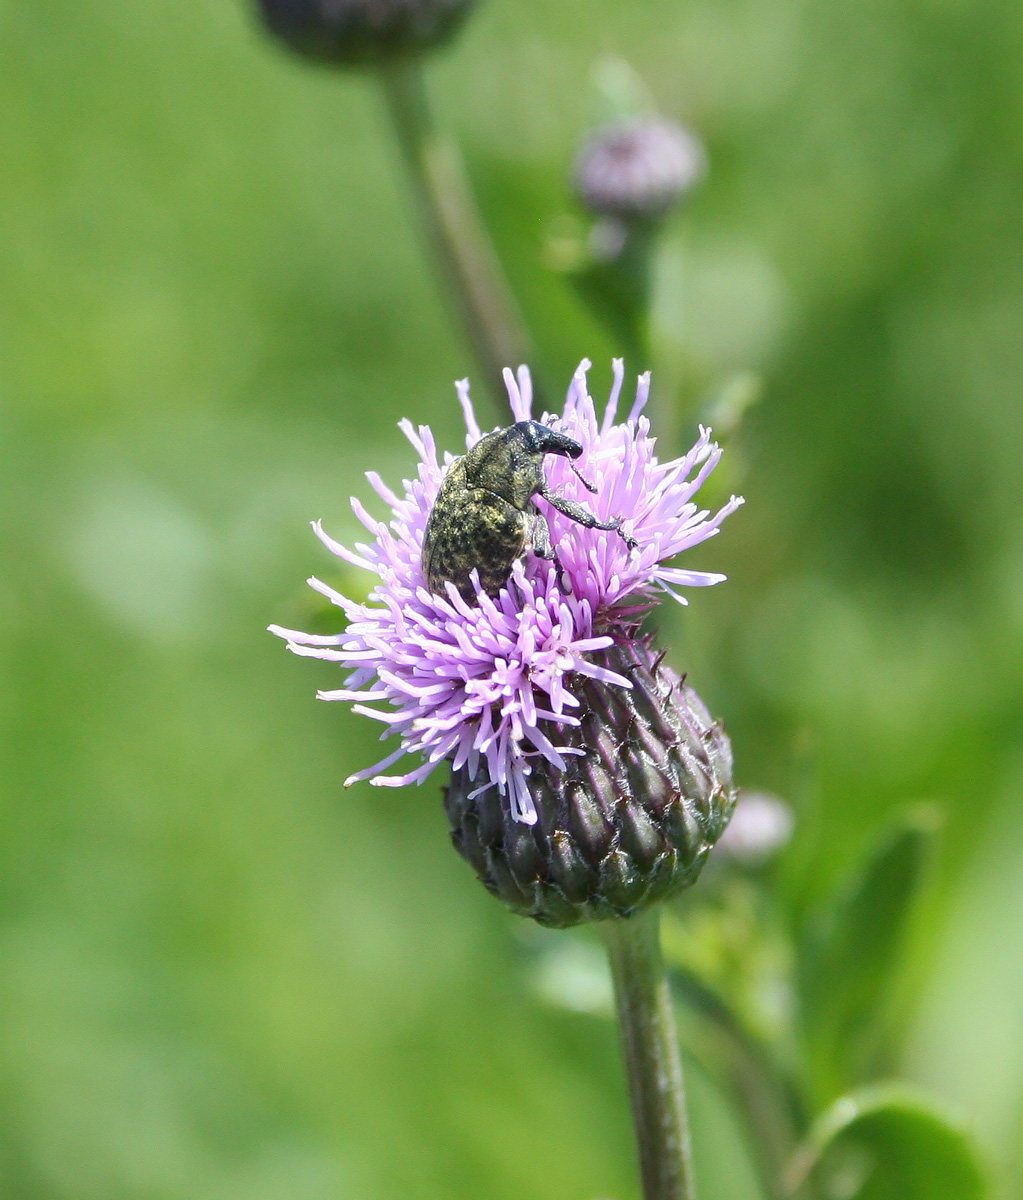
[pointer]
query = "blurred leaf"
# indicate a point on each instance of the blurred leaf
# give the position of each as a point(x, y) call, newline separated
point(615, 282)
point(618, 91)
point(730, 955)
point(850, 960)
point(889, 1143)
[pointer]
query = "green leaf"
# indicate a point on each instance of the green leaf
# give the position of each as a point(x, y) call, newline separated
point(616, 286)
point(851, 959)
point(890, 1143)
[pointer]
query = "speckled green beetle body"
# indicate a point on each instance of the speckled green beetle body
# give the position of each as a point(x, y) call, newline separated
point(483, 518)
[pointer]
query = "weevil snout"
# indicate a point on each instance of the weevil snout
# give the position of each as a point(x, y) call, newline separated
point(540, 439)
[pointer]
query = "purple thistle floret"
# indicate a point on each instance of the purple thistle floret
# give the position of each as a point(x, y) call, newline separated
point(491, 683)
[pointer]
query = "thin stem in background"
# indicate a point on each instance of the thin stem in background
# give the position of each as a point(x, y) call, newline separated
point(453, 226)
point(652, 1060)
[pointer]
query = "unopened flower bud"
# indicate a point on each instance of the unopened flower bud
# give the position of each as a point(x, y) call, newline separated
point(760, 826)
point(353, 32)
point(637, 169)
point(628, 822)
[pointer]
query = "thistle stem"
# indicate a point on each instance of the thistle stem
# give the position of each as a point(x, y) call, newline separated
point(453, 226)
point(652, 1060)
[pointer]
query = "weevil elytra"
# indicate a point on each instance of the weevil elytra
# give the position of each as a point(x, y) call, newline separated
point(484, 517)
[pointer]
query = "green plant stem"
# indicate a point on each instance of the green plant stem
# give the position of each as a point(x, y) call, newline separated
point(652, 1060)
point(454, 228)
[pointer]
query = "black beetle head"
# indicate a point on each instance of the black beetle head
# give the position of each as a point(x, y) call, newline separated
point(539, 439)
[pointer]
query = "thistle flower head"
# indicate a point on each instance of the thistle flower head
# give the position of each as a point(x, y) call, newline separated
point(493, 686)
point(638, 168)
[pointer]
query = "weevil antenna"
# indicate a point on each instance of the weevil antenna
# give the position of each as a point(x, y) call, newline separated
point(590, 487)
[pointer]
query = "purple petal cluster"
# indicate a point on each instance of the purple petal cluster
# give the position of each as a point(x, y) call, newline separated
point(492, 683)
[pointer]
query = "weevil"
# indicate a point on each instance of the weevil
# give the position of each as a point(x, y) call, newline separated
point(484, 517)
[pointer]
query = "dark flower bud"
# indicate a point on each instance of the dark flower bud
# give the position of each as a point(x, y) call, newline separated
point(629, 822)
point(354, 32)
point(637, 169)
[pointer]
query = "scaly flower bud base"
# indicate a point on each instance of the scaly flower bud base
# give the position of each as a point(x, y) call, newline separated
point(630, 821)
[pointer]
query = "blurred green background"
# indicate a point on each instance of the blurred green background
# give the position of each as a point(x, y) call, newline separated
point(223, 978)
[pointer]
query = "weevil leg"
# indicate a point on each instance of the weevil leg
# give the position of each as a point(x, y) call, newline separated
point(543, 547)
point(576, 512)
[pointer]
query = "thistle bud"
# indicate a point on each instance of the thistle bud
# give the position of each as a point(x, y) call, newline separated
point(637, 169)
point(628, 822)
point(760, 827)
point(354, 32)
